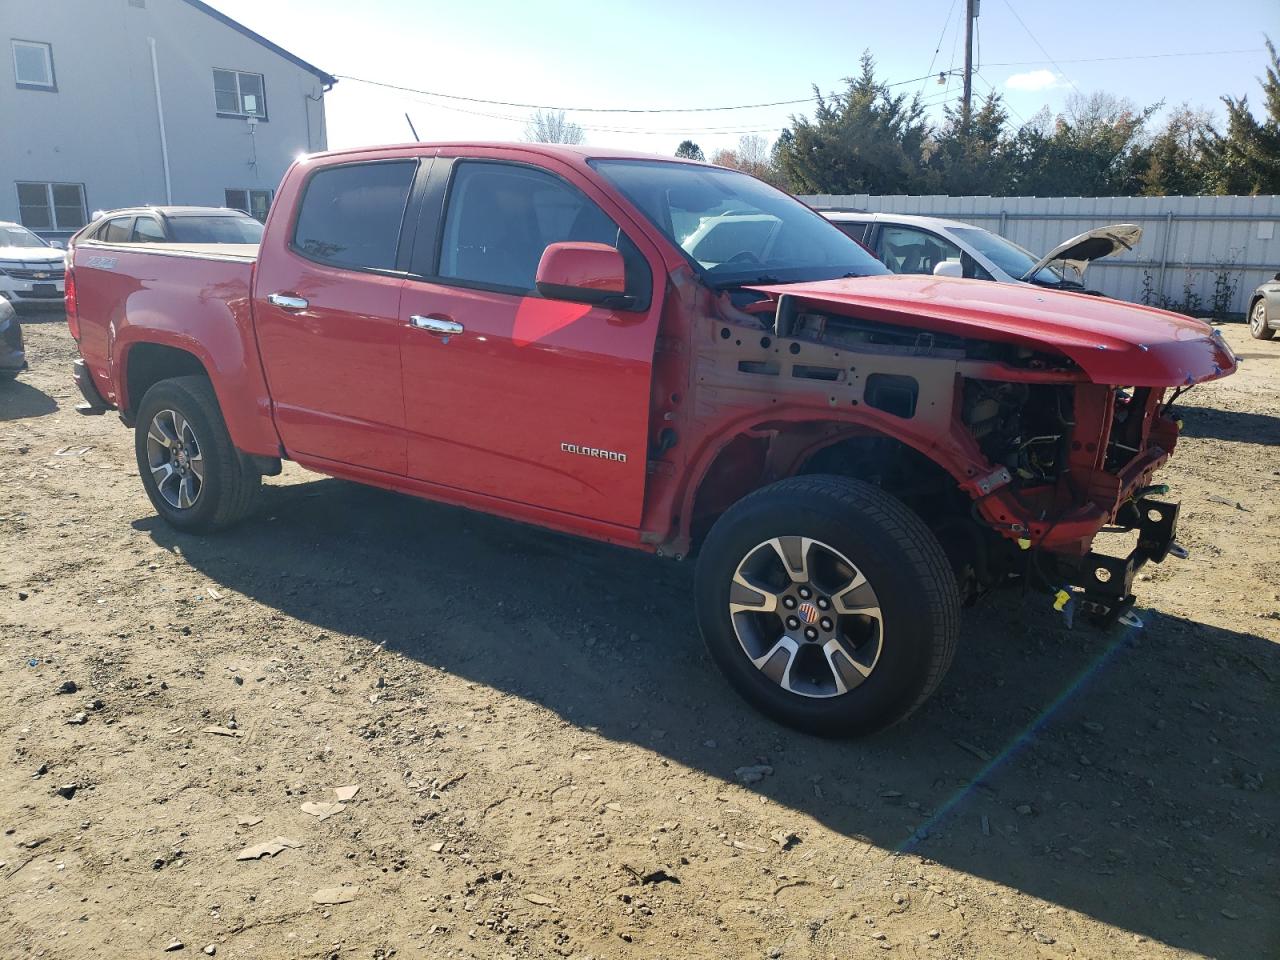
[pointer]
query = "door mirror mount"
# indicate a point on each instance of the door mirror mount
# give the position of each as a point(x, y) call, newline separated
point(948, 268)
point(581, 272)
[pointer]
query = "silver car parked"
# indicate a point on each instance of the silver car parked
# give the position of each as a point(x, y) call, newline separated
point(1264, 310)
point(913, 244)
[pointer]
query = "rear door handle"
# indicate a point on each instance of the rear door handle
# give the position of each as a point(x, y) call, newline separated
point(436, 324)
point(287, 302)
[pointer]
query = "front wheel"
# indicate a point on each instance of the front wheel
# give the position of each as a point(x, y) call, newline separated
point(1258, 322)
point(828, 605)
point(193, 474)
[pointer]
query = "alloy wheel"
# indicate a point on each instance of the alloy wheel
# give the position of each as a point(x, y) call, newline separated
point(806, 617)
point(175, 459)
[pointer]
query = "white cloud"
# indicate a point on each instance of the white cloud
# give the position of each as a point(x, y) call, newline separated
point(1034, 80)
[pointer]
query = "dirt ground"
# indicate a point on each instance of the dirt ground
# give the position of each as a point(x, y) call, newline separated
point(547, 763)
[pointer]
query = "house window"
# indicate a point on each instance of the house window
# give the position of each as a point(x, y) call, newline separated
point(255, 203)
point(51, 206)
point(239, 94)
point(33, 65)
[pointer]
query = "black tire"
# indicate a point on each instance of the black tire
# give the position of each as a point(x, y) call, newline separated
point(901, 560)
point(1258, 328)
point(8, 375)
point(230, 485)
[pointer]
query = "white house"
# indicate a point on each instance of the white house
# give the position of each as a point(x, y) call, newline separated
point(114, 103)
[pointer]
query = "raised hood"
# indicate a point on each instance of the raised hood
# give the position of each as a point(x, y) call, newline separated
point(1079, 252)
point(1111, 341)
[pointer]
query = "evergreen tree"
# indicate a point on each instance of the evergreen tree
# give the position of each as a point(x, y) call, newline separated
point(688, 150)
point(1246, 159)
point(864, 140)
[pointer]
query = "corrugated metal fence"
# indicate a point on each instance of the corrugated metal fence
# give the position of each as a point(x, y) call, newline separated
point(1188, 242)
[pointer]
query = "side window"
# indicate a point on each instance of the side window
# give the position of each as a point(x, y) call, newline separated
point(118, 230)
point(147, 230)
point(350, 215)
point(856, 231)
point(973, 270)
point(501, 217)
point(909, 250)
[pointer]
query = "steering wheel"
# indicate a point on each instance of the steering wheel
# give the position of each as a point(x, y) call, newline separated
point(745, 256)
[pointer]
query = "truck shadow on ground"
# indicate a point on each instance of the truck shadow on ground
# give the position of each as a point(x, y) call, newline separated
point(1211, 424)
point(20, 401)
point(1125, 777)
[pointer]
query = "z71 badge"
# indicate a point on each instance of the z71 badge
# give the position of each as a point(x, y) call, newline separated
point(594, 452)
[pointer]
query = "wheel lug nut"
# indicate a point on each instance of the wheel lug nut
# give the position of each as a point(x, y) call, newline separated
point(789, 602)
point(804, 593)
point(826, 623)
point(792, 623)
point(823, 603)
point(811, 633)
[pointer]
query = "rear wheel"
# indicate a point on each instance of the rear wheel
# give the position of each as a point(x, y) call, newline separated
point(829, 605)
point(193, 474)
point(1258, 322)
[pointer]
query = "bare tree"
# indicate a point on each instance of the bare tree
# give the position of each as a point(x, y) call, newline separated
point(551, 126)
point(726, 158)
point(753, 152)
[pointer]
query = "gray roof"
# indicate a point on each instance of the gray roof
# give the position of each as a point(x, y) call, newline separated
point(259, 38)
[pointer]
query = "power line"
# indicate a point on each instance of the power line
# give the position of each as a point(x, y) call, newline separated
point(941, 37)
point(599, 129)
point(1004, 103)
point(569, 109)
point(1042, 49)
point(1136, 56)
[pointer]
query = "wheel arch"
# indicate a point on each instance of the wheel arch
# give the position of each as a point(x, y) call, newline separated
point(755, 454)
point(145, 363)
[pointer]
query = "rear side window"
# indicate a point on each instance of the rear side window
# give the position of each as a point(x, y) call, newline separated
point(147, 230)
point(117, 230)
point(218, 229)
point(502, 216)
point(351, 215)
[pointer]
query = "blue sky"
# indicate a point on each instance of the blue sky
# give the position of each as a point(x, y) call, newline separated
point(664, 53)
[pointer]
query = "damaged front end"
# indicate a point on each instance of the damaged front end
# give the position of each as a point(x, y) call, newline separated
point(1052, 411)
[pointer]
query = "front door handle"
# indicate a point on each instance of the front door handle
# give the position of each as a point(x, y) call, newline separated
point(436, 324)
point(287, 302)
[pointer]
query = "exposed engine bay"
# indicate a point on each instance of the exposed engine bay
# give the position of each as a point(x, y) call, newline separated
point(1038, 459)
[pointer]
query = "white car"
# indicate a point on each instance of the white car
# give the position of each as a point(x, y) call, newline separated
point(911, 244)
point(31, 270)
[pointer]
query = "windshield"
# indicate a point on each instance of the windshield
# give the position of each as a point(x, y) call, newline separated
point(12, 235)
point(1008, 256)
point(735, 228)
point(215, 229)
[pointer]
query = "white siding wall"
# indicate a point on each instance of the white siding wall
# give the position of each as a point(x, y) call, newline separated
point(1185, 237)
point(100, 128)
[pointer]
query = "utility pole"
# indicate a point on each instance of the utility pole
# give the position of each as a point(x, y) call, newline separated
point(970, 14)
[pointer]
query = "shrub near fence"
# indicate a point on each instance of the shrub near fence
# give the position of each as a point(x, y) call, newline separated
point(1202, 255)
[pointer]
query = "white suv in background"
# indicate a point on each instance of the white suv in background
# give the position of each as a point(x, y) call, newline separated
point(911, 244)
point(31, 270)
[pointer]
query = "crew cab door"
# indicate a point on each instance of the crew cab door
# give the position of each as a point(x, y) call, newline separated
point(327, 311)
point(508, 394)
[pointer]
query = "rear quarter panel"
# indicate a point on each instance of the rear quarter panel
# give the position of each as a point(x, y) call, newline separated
point(194, 302)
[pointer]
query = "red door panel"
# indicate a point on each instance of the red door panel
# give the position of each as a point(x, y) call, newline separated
point(511, 406)
point(327, 310)
point(333, 368)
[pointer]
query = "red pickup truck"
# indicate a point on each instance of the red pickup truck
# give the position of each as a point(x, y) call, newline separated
point(666, 355)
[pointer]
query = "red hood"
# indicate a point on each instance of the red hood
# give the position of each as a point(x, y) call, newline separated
point(1112, 341)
